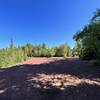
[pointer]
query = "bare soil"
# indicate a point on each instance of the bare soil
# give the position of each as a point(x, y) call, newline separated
point(41, 60)
point(53, 78)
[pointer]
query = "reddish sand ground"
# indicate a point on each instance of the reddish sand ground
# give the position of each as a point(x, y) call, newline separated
point(40, 60)
point(50, 79)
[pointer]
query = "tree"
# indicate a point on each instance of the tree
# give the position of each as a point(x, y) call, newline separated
point(51, 52)
point(11, 43)
point(89, 39)
point(62, 50)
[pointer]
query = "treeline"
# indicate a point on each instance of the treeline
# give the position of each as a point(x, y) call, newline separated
point(41, 50)
point(12, 55)
point(88, 40)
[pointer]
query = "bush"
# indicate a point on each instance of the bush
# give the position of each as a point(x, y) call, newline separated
point(87, 54)
point(95, 62)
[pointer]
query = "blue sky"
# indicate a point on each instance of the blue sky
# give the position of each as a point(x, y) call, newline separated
point(51, 21)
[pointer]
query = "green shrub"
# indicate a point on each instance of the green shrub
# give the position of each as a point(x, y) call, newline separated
point(95, 62)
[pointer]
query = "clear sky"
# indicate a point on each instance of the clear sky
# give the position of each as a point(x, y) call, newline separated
point(50, 21)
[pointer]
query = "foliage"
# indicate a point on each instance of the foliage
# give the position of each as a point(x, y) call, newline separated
point(13, 55)
point(95, 62)
point(63, 51)
point(88, 39)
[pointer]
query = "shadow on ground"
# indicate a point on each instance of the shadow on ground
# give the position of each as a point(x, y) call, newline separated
point(23, 82)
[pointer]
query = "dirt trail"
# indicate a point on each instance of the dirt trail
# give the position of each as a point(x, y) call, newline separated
point(50, 79)
point(39, 60)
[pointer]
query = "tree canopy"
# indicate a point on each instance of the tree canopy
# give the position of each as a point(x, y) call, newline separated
point(88, 39)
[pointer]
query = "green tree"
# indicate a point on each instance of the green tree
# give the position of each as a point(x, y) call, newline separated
point(90, 39)
point(62, 50)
